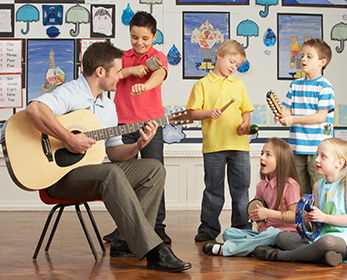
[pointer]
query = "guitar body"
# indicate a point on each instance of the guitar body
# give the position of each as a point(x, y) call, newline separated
point(24, 150)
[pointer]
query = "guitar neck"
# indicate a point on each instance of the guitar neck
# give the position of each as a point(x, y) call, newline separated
point(105, 133)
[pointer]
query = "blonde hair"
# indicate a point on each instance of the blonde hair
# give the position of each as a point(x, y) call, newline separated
point(230, 47)
point(340, 152)
point(285, 168)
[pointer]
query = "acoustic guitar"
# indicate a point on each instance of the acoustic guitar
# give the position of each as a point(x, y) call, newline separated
point(36, 161)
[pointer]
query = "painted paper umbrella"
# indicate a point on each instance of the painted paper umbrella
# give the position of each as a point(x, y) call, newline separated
point(339, 33)
point(247, 28)
point(266, 3)
point(27, 13)
point(77, 15)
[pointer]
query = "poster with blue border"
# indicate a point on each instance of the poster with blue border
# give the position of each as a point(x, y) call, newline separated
point(315, 3)
point(202, 34)
point(44, 55)
point(295, 27)
point(212, 2)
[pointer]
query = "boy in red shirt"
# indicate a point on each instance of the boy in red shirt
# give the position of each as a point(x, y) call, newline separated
point(138, 95)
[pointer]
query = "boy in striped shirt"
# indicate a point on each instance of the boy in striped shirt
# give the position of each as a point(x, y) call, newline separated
point(309, 111)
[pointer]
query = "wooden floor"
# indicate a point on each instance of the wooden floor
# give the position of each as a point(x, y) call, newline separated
point(70, 257)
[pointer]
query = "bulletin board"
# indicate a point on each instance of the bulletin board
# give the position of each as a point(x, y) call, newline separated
point(42, 43)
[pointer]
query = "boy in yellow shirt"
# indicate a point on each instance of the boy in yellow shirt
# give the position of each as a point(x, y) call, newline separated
point(224, 141)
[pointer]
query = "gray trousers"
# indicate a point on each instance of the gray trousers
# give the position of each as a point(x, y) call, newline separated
point(131, 192)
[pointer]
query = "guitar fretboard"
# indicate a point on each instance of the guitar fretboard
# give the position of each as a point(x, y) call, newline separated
point(105, 133)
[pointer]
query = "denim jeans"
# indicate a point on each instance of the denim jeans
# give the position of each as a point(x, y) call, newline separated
point(154, 149)
point(239, 177)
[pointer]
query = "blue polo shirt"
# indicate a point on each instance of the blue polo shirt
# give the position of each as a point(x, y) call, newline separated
point(76, 95)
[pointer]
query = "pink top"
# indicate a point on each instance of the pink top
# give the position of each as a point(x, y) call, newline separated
point(267, 191)
point(145, 106)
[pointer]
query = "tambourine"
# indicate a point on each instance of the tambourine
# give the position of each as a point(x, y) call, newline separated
point(305, 204)
point(252, 205)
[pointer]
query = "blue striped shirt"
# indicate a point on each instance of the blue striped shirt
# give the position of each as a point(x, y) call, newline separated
point(306, 97)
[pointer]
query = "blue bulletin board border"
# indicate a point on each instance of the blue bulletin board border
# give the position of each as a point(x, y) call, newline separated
point(212, 2)
point(314, 3)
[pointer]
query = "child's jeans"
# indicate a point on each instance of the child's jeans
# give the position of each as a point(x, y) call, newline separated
point(239, 176)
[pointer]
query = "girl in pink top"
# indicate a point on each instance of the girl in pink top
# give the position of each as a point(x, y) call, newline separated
point(280, 191)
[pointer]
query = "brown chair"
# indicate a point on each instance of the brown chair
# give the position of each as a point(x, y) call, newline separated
point(61, 204)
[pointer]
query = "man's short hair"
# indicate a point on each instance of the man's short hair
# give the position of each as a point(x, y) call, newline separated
point(99, 54)
point(144, 19)
point(231, 47)
point(322, 48)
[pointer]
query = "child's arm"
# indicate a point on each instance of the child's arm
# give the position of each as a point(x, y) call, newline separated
point(287, 118)
point(318, 216)
point(137, 71)
point(154, 80)
point(200, 115)
point(246, 116)
point(262, 213)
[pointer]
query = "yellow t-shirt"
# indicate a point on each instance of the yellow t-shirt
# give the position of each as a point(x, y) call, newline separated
point(213, 92)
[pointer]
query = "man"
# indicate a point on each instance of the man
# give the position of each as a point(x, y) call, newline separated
point(130, 189)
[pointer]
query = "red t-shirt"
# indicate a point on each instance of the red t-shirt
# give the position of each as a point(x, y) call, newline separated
point(147, 105)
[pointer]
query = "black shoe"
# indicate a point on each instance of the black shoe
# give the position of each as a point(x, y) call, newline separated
point(207, 248)
point(119, 249)
point(202, 237)
point(266, 253)
point(162, 258)
point(332, 258)
point(162, 234)
point(109, 237)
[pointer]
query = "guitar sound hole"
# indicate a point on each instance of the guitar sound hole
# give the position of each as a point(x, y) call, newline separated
point(64, 158)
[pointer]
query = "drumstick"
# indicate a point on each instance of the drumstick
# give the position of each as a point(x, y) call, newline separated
point(227, 105)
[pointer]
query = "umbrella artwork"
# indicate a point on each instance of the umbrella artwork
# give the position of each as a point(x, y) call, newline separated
point(77, 14)
point(339, 33)
point(160, 39)
point(265, 3)
point(27, 13)
point(151, 2)
point(247, 28)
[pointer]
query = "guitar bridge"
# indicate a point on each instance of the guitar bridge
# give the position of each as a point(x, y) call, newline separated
point(46, 147)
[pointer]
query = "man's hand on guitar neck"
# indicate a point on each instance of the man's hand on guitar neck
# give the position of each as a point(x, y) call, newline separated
point(128, 151)
point(147, 134)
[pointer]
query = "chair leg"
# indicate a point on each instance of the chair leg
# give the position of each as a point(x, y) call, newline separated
point(48, 220)
point(61, 206)
point(92, 220)
point(91, 244)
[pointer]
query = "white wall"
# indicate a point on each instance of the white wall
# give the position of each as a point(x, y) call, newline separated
point(185, 175)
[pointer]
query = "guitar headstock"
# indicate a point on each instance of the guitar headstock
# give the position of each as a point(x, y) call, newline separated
point(274, 103)
point(181, 118)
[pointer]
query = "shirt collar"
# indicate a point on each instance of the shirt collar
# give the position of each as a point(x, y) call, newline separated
point(147, 55)
point(214, 78)
point(85, 89)
point(272, 183)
